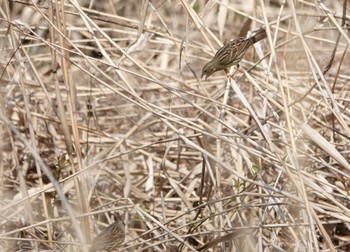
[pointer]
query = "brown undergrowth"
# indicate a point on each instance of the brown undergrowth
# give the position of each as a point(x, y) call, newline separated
point(103, 111)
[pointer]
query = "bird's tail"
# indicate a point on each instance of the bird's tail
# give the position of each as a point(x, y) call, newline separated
point(259, 35)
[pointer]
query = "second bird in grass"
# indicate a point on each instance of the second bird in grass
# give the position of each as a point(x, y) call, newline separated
point(231, 53)
point(111, 237)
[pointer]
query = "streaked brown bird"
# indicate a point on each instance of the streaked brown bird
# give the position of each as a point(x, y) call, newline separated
point(231, 53)
point(111, 237)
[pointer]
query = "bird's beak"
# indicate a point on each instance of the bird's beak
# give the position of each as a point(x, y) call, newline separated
point(206, 77)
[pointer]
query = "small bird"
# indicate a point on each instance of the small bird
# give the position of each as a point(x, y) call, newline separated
point(111, 237)
point(231, 53)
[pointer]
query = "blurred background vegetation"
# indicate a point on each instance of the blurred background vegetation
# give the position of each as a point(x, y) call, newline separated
point(102, 111)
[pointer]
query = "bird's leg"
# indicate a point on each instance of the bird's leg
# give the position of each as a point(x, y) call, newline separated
point(228, 75)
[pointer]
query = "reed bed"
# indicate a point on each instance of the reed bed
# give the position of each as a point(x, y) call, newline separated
point(103, 110)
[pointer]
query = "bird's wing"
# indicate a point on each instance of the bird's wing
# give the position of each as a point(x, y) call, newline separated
point(227, 54)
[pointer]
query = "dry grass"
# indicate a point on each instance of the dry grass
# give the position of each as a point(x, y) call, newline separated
point(103, 111)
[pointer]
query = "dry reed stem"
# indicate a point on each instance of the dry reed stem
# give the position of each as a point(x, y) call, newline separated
point(191, 164)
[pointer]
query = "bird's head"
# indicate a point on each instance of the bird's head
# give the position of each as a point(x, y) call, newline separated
point(209, 69)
